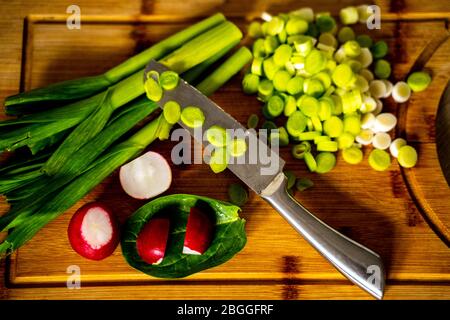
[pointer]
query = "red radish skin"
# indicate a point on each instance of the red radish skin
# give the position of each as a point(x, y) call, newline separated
point(199, 232)
point(93, 231)
point(152, 240)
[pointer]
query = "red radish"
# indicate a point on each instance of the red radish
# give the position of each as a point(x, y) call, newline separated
point(146, 177)
point(199, 232)
point(152, 240)
point(93, 231)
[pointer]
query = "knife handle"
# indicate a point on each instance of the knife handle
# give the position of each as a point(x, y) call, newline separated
point(359, 264)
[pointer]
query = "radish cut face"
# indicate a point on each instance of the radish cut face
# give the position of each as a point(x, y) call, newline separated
point(199, 232)
point(152, 240)
point(93, 231)
point(146, 177)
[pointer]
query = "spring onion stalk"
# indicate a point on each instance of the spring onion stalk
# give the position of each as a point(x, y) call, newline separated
point(84, 87)
point(61, 200)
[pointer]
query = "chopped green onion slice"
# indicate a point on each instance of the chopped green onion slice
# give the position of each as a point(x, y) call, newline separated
point(352, 49)
point(269, 125)
point(309, 135)
point(346, 34)
point(382, 69)
point(379, 49)
point(299, 150)
point(379, 160)
point(254, 30)
point(326, 106)
point(281, 80)
point(282, 55)
point(275, 106)
point(325, 23)
point(419, 81)
point(257, 66)
point(343, 76)
point(153, 90)
point(290, 105)
point(291, 178)
point(333, 127)
point(296, 124)
point(364, 41)
point(237, 194)
point(265, 88)
point(252, 121)
point(401, 92)
point(365, 137)
point(281, 136)
point(326, 161)
point(169, 80)
point(352, 124)
point(270, 68)
point(295, 85)
point(303, 184)
point(331, 146)
point(313, 87)
point(352, 155)
point(237, 147)
point(310, 161)
point(324, 78)
point(250, 83)
point(219, 160)
point(275, 26)
point(306, 14)
point(377, 89)
point(172, 112)
point(259, 49)
point(193, 117)
point(319, 139)
point(315, 62)
point(349, 15)
point(407, 157)
point(303, 45)
point(217, 136)
point(345, 140)
point(270, 44)
point(309, 106)
point(328, 39)
point(296, 25)
point(395, 146)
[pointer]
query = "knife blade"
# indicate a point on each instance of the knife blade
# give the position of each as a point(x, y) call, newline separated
point(359, 264)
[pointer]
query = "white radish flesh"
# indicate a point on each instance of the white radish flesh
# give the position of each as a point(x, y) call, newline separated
point(146, 177)
point(396, 145)
point(401, 92)
point(384, 122)
point(381, 140)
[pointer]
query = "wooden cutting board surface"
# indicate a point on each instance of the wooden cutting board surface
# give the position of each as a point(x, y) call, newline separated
point(390, 212)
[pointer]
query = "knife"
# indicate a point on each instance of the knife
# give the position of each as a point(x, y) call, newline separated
point(359, 264)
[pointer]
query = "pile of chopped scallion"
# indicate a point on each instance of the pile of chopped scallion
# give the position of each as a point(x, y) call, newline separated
point(324, 85)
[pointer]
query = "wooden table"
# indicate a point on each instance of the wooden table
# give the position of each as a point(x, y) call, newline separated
point(402, 214)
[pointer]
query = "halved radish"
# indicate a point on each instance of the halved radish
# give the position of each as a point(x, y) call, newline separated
point(199, 232)
point(152, 240)
point(93, 231)
point(146, 177)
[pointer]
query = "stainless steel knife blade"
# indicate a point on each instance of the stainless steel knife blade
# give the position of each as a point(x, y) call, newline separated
point(358, 263)
point(250, 169)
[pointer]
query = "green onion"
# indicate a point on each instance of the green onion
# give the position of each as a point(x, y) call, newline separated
point(252, 121)
point(407, 157)
point(325, 23)
point(309, 106)
point(84, 87)
point(257, 65)
point(343, 76)
point(315, 62)
point(333, 127)
point(275, 26)
point(352, 49)
point(309, 135)
point(270, 68)
point(169, 80)
point(217, 136)
point(346, 34)
point(382, 69)
point(295, 85)
point(379, 49)
point(281, 135)
point(345, 140)
point(254, 30)
point(172, 112)
point(290, 105)
point(379, 160)
point(296, 25)
point(290, 175)
point(219, 160)
point(296, 124)
point(192, 116)
point(282, 55)
point(237, 194)
point(313, 87)
point(275, 106)
point(364, 41)
point(265, 88)
point(331, 146)
point(352, 155)
point(303, 184)
point(310, 162)
point(419, 81)
point(237, 147)
point(281, 80)
point(349, 15)
point(250, 83)
point(326, 161)
point(352, 124)
point(270, 44)
point(299, 150)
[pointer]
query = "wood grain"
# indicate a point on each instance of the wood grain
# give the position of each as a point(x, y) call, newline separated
point(374, 208)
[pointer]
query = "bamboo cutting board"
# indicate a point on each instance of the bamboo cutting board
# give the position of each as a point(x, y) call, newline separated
point(390, 212)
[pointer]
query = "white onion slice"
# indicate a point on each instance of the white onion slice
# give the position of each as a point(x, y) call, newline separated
point(401, 92)
point(146, 177)
point(365, 57)
point(396, 145)
point(377, 89)
point(384, 122)
point(366, 73)
point(367, 121)
point(389, 87)
point(381, 140)
point(365, 137)
point(378, 108)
